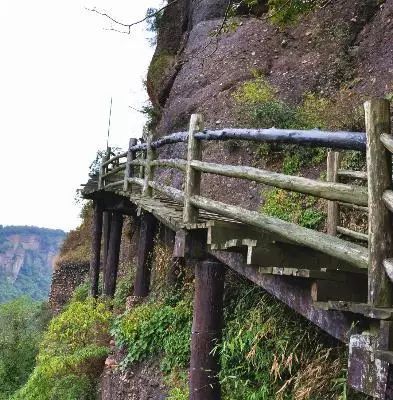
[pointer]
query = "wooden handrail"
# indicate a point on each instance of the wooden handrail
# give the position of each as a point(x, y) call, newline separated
point(331, 245)
point(117, 157)
point(326, 190)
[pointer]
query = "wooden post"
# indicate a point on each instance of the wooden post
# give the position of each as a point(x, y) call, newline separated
point(380, 228)
point(129, 172)
point(147, 233)
point(112, 263)
point(106, 223)
point(103, 169)
point(333, 164)
point(149, 170)
point(95, 248)
point(193, 177)
point(206, 330)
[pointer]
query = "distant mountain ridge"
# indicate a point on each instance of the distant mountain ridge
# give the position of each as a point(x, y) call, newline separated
point(26, 259)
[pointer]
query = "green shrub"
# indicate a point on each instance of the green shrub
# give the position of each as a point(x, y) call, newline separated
point(284, 11)
point(153, 329)
point(71, 354)
point(293, 207)
point(124, 288)
point(22, 322)
point(81, 293)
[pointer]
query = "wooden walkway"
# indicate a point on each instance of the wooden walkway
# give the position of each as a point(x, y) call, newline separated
point(341, 285)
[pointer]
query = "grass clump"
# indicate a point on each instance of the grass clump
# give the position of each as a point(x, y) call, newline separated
point(71, 354)
point(294, 207)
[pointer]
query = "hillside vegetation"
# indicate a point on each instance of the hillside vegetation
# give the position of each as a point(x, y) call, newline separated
point(27, 254)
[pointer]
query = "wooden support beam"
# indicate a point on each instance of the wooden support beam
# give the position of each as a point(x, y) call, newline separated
point(107, 220)
point(333, 164)
point(206, 330)
point(112, 263)
point(193, 177)
point(129, 172)
point(96, 247)
point(379, 169)
point(147, 233)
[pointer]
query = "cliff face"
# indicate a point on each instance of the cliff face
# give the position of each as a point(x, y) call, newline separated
point(26, 260)
point(344, 44)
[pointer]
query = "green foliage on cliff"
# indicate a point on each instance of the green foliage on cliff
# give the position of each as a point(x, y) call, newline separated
point(21, 325)
point(156, 328)
point(71, 354)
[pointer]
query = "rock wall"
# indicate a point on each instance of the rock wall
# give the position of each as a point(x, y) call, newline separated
point(65, 279)
point(344, 43)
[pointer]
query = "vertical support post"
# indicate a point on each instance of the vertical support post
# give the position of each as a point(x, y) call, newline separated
point(129, 172)
point(149, 169)
point(333, 164)
point(112, 263)
point(206, 330)
point(147, 233)
point(106, 223)
point(96, 248)
point(380, 227)
point(193, 177)
point(103, 168)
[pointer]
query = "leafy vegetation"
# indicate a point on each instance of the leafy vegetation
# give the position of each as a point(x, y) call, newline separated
point(71, 354)
point(156, 328)
point(283, 11)
point(293, 207)
point(21, 324)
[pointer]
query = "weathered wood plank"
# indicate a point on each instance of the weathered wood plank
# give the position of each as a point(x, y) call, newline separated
point(388, 265)
point(387, 140)
point(114, 170)
point(115, 158)
point(353, 206)
point(353, 174)
point(326, 190)
point(379, 169)
point(114, 184)
point(352, 234)
point(129, 170)
point(335, 247)
point(387, 198)
point(169, 191)
point(193, 176)
point(333, 163)
point(171, 163)
point(367, 310)
point(316, 138)
point(149, 170)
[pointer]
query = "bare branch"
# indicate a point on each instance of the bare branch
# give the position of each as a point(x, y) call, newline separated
point(129, 26)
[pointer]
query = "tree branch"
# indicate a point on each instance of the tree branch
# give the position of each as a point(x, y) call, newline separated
point(129, 26)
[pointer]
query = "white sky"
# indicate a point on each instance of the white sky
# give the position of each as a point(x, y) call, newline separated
point(58, 70)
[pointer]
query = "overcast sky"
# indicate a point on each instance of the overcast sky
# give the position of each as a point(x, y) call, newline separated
point(58, 71)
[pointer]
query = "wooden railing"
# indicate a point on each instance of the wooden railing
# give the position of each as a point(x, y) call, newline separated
point(120, 172)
